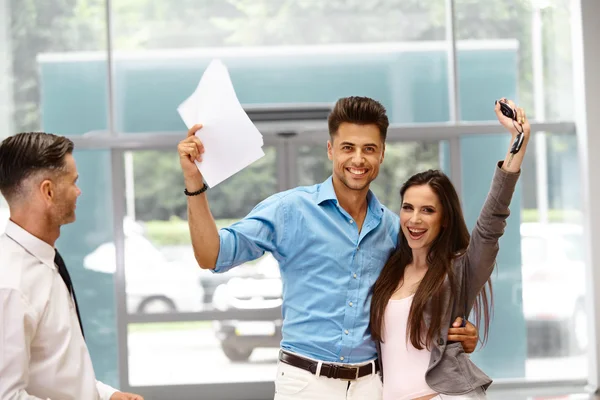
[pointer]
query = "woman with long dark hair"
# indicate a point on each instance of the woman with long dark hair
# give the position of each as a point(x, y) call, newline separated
point(437, 273)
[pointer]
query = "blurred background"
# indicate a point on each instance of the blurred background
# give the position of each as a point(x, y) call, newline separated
point(110, 74)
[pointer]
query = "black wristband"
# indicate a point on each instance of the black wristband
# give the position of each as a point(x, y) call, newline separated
point(197, 192)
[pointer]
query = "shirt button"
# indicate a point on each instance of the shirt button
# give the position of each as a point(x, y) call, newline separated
point(351, 221)
point(342, 358)
point(354, 276)
point(346, 331)
point(350, 304)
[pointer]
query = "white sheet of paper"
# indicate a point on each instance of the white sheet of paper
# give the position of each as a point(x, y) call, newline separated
point(231, 141)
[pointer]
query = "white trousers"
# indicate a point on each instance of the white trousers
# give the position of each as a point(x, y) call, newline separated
point(295, 383)
point(478, 394)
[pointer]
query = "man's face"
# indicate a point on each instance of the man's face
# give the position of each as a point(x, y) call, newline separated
point(357, 152)
point(67, 192)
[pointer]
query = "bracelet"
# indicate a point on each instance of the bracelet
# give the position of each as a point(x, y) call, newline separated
point(197, 192)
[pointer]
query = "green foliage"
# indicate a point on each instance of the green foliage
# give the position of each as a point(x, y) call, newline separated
point(175, 231)
point(570, 216)
point(40, 26)
point(159, 187)
point(168, 233)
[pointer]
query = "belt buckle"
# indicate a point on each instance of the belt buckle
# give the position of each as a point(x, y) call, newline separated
point(355, 376)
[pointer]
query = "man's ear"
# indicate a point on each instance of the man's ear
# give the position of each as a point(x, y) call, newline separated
point(330, 149)
point(47, 190)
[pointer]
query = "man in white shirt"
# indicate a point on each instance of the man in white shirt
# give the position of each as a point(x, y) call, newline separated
point(43, 354)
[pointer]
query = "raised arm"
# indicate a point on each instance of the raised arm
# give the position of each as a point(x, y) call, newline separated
point(480, 257)
point(262, 230)
point(203, 229)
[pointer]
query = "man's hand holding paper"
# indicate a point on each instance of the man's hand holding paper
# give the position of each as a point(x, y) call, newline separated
point(190, 152)
point(227, 141)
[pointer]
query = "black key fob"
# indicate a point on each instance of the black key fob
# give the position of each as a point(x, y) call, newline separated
point(516, 146)
point(507, 111)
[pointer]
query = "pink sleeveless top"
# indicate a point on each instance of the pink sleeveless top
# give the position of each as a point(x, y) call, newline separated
point(404, 366)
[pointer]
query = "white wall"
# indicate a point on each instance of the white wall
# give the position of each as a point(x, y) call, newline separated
point(586, 75)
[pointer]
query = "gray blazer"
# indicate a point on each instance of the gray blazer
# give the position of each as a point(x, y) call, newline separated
point(450, 370)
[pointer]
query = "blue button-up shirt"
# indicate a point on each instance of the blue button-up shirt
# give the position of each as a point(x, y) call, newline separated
point(328, 267)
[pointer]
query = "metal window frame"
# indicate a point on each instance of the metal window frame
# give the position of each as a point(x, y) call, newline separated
point(286, 160)
point(118, 143)
point(310, 133)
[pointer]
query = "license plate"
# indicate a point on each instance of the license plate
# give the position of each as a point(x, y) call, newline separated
point(255, 329)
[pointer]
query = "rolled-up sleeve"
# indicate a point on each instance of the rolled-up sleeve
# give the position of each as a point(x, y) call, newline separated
point(260, 231)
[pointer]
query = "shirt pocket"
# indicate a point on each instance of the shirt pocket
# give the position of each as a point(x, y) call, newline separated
point(374, 266)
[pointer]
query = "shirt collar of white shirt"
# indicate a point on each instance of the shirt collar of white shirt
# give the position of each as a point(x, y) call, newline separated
point(35, 246)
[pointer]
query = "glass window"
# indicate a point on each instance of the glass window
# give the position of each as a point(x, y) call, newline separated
point(159, 220)
point(53, 77)
point(35, 94)
point(162, 276)
point(535, 68)
point(533, 248)
point(539, 283)
point(280, 53)
point(94, 286)
point(269, 23)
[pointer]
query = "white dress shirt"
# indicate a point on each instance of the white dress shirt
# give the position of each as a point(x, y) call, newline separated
point(42, 352)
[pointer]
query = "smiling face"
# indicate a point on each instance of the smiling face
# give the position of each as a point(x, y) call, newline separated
point(357, 152)
point(421, 216)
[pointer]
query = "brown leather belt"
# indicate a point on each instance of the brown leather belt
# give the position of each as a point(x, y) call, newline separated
point(329, 370)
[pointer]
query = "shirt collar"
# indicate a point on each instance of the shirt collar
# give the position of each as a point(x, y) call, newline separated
point(326, 192)
point(36, 247)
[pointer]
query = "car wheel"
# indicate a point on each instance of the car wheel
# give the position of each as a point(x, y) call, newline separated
point(579, 333)
point(236, 354)
point(156, 305)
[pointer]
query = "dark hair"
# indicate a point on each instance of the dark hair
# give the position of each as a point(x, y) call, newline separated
point(24, 154)
point(358, 110)
point(450, 244)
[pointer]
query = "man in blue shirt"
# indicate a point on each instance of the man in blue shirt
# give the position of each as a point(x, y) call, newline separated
point(331, 241)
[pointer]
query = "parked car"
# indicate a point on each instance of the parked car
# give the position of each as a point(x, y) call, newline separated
point(153, 284)
point(184, 255)
point(262, 291)
point(553, 276)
